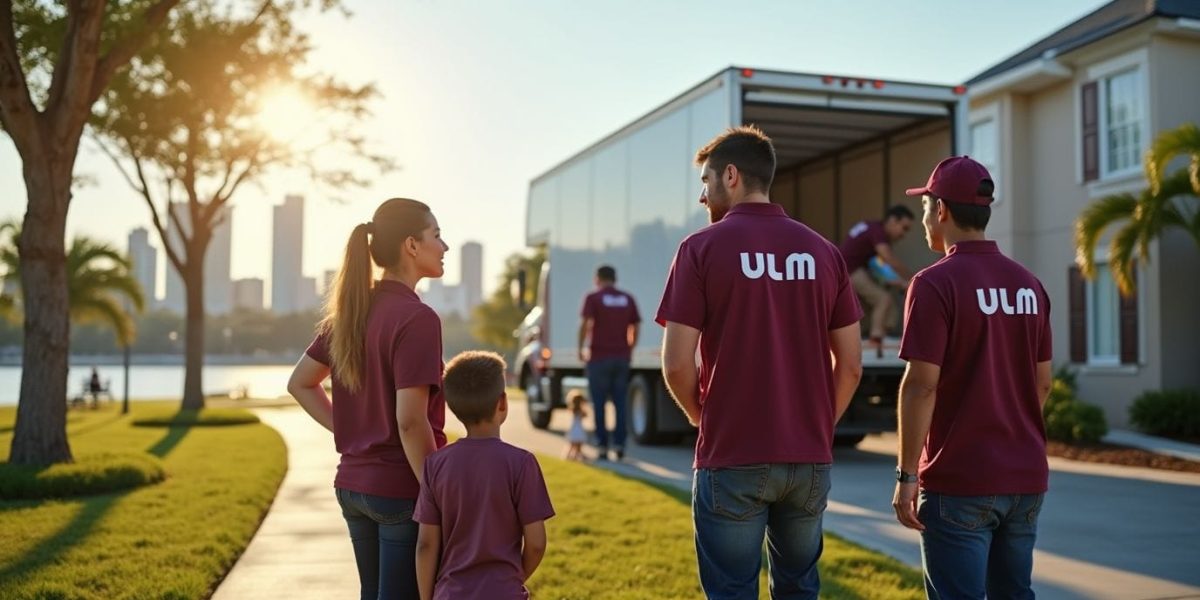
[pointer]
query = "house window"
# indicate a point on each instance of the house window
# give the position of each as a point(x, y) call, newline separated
point(1104, 318)
point(1122, 116)
point(985, 147)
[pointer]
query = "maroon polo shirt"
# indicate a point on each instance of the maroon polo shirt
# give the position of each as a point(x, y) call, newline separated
point(764, 291)
point(985, 320)
point(482, 492)
point(612, 311)
point(403, 350)
point(859, 245)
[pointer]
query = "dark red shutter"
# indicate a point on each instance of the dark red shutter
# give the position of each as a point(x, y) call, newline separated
point(1089, 103)
point(1129, 326)
point(1077, 294)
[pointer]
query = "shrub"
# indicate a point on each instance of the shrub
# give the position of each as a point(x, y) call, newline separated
point(208, 417)
point(1168, 412)
point(1068, 419)
point(90, 474)
point(1068, 376)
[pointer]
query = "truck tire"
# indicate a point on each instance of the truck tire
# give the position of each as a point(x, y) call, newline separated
point(538, 407)
point(643, 411)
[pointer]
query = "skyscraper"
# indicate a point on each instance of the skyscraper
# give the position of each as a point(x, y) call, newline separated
point(471, 279)
point(218, 291)
point(248, 293)
point(287, 255)
point(144, 259)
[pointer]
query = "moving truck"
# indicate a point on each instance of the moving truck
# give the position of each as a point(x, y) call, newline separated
point(847, 148)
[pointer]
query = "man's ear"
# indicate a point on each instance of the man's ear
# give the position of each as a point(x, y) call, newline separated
point(943, 213)
point(733, 177)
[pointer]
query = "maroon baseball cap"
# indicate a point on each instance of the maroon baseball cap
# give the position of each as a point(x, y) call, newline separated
point(956, 179)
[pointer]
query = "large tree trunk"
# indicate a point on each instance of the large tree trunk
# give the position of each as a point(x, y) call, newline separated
point(40, 434)
point(193, 282)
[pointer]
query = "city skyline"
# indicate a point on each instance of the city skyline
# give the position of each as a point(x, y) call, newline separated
point(470, 131)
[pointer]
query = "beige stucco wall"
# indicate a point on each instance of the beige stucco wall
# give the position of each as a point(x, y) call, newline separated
point(1040, 156)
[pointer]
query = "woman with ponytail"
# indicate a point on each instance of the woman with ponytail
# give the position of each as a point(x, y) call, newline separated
point(383, 347)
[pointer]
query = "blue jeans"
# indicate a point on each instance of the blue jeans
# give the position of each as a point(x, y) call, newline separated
point(608, 378)
point(384, 536)
point(977, 546)
point(733, 507)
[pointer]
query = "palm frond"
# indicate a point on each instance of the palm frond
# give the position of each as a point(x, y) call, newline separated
point(1182, 141)
point(106, 310)
point(1092, 223)
point(1123, 254)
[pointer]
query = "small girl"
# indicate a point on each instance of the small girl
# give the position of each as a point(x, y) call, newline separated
point(576, 436)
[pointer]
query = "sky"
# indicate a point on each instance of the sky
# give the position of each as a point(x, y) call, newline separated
point(481, 96)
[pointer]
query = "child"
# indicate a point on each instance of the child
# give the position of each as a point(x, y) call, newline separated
point(483, 503)
point(576, 436)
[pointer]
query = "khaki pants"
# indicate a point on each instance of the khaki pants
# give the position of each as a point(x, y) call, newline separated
point(882, 308)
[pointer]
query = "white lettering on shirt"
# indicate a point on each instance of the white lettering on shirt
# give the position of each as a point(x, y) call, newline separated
point(614, 300)
point(797, 266)
point(858, 229)
point(997, 299)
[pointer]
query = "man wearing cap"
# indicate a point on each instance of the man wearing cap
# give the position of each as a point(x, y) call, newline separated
point(864, 241)
point(769, 303)
point(610, 319)
point(972, 460)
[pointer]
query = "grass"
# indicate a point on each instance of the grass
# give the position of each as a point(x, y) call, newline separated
point(176, 539)
point(615, 537)
point(91, 474)
point(209, 417)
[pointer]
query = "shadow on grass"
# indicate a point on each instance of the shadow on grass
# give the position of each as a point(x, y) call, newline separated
point(175, 435)
point(84, 430)
point(50, 550)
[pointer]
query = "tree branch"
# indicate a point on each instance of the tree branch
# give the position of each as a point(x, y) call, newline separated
point(121, 52)
point(17, 112)
point(69, 102)
point(144, 188)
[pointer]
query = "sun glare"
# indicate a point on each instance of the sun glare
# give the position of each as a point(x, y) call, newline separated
point(285, 113)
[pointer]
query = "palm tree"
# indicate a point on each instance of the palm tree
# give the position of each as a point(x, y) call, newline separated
point(97, 276)
point(1169, 202)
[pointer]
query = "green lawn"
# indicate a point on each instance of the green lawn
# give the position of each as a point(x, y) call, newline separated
point(174, 539)
point(615, 537)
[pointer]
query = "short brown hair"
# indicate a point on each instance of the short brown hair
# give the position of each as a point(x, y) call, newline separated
point(748, 149)
point(473, 383)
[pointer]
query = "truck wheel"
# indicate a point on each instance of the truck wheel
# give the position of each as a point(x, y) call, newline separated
point(538, 408)
point(847, 440)
point(643, 412)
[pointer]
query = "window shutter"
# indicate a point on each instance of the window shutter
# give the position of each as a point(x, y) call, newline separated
point(1089, 103)
point(1077, 293)
point(1129, 326)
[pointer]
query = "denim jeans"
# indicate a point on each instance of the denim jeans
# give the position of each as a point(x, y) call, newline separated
point(977, 546)
point(732, 509)
point(608, 378)
point(384, 537)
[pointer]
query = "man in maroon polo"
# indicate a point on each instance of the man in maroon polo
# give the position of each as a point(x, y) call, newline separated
point(864, 241)
point(610, 319)
point(972, 467)
point(770, 305)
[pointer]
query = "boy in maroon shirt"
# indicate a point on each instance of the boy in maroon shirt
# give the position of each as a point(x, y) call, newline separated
point(769, 303)
point(484, 503)
point(972, 472)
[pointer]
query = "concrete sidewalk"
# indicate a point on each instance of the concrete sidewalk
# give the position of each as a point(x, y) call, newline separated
point(1154, 444)
point(302, 549)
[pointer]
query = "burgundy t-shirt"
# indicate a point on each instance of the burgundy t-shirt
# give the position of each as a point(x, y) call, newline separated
point(612, 312)
point(404, 350)
point(764, 291)
point(482, 492)
point(859, 245)
point(985, 320)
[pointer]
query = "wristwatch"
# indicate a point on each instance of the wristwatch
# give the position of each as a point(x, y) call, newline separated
point(903, 477)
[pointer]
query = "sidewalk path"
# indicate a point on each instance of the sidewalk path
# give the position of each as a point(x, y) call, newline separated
point(302, 549)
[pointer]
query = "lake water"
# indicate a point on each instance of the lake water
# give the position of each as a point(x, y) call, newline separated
point(163, 381)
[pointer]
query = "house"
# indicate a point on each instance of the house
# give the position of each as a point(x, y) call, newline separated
point(1065, 122)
